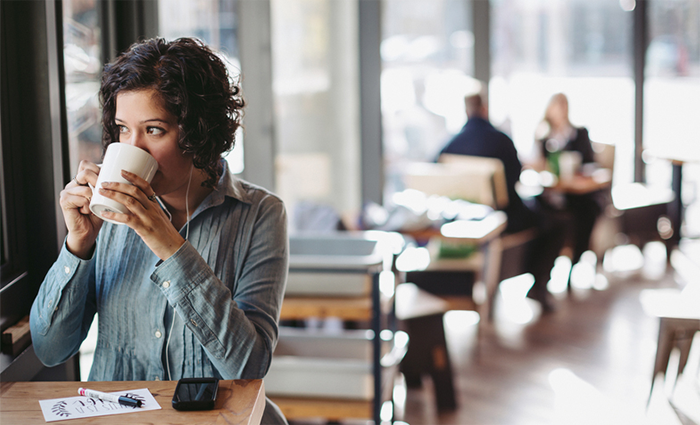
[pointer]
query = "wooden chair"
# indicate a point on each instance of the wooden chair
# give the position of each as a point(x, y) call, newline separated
point(513, 245)
point(679, 320)
point(637, 208)
point(475, 179)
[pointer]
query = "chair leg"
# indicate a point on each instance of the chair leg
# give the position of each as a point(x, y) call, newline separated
point(663, 350)
point(427, 353)
point(684, 339)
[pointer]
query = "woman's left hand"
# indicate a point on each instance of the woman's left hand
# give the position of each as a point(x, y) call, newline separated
point(145, 215)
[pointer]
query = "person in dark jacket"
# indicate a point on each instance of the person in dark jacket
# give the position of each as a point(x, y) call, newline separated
point(480, 138)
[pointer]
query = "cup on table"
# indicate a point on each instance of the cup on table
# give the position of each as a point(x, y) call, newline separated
point(569, 164)
point(120, 156)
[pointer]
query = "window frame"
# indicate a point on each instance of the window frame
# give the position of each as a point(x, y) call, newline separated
point(13, 264)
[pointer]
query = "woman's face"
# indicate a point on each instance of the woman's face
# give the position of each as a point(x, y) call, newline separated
point(144, 122)
point(558, 113)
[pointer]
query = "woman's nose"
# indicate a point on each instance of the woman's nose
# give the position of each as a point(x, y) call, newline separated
point(137, 140)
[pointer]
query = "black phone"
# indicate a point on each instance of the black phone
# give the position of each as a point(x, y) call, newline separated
point(195, 393)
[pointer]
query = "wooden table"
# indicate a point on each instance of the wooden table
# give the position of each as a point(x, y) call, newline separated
point(486, 264)
point(238, 402)
point(469, 231)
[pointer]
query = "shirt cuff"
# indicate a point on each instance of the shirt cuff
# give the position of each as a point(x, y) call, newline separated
point(181, 273)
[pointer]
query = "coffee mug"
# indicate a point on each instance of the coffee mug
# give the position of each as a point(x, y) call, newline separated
point(569, 164)
point(120, 156)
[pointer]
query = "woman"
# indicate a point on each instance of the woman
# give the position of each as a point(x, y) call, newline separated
point(563, 136)
point(191, 285)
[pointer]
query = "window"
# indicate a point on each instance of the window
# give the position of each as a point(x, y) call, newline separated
point(82, 55)
point(672, 96)
point(315, 89)
point(13, 235)
point(427, 54)
point(579, 47)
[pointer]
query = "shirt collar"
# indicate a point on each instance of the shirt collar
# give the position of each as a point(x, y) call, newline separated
point(227, 186)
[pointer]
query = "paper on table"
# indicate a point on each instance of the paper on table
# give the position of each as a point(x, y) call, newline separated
point(59, 409)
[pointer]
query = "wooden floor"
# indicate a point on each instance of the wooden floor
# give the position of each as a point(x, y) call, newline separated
point(587, 363)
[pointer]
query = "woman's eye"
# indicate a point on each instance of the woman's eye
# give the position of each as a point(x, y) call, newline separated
point(155, 131)
point(122, 129)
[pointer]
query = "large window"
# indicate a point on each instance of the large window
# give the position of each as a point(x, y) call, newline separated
point(315, 88)
point(427, 54)
point(579, 47)
point(213, 21)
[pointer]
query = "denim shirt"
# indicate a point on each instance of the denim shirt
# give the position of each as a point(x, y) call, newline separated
point(226, 285)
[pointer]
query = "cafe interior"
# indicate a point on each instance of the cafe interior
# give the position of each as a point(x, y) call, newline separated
point(407, 297)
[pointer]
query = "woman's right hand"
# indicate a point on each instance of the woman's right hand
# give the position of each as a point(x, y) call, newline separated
point(83, 225)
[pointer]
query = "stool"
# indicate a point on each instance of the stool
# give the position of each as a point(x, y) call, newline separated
point(422, 315)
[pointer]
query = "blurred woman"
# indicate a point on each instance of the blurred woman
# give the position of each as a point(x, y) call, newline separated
point(562, 136)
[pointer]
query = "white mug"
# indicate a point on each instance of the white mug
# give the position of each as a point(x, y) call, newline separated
point(120, 156)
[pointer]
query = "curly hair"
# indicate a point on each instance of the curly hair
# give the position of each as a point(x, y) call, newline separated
point(194, 85)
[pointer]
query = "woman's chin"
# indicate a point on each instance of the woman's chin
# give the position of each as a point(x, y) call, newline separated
point(157, 189)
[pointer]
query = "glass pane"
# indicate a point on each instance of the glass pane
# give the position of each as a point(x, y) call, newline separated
point(216, 23)
point(427, 63)
point(579, 47)
point(315, 88)
point(83, 66)
point(672, 98)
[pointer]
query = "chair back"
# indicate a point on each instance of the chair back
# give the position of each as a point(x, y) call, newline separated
point(604, 154)
point(476, 179)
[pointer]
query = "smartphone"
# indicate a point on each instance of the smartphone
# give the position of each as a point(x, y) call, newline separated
point(195, 393)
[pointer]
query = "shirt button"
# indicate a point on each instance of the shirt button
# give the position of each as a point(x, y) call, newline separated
point(66, 269)
point(158, 334)
point(193, 322)
point(166, 284)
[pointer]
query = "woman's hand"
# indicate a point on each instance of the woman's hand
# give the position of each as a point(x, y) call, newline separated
point(145, 215)
point(83, 225)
